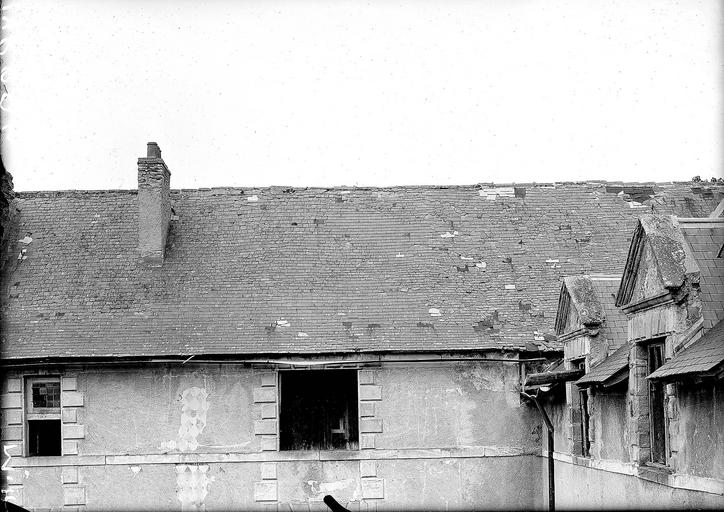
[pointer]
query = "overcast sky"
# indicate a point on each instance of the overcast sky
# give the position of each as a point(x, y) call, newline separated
point(323, 93)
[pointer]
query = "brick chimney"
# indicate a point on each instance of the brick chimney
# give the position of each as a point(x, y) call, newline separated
point(154, 206)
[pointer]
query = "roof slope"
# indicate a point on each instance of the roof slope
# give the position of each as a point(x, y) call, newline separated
point(607, 368)
point(703, 355)
point(314, 270)
point(706, 241)
point(615, 327)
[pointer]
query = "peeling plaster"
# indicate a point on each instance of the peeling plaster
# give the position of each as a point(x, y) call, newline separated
point(192, 486)
point(193, 420)
point(321, 489)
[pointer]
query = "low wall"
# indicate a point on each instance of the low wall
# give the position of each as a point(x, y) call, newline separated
point(580, 487)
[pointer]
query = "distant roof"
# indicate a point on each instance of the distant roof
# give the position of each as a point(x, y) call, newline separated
point(607, 369)
point(704, 355)
point(705, 238)
point(282, 270)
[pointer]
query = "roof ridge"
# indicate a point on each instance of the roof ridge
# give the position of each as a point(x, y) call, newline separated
point(586, 183)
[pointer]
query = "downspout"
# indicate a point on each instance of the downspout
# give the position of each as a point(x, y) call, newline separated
point(551, 467)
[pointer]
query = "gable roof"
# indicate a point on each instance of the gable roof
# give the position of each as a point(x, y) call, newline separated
point(270, 271)
point(578, 292)
point(671, 255)
point(607, 369)
point(704, 355)
point(593, 297)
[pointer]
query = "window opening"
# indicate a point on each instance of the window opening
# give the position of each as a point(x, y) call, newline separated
point(585, 419)
point(43, 437)
point(42, 415)
point(318, 410)
point(657, 407)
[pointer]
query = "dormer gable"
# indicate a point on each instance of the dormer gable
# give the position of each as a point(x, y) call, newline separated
point(659, 262)
point(578, 306)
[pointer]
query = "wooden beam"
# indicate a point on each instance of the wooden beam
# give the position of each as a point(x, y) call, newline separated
point(552, 377)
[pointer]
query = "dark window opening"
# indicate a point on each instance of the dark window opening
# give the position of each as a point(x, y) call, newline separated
point(585, 419)
point(43, 437)
point(46, 394)
point(657, 406)
point(318, 410)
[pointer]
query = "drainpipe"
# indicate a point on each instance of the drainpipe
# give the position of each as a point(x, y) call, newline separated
point(551, 470)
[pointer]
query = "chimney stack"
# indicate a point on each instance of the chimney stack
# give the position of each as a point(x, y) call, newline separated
point(154, 205)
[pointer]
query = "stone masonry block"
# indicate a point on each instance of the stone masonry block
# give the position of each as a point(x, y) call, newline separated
point(69, 384)
point(265, 395)
point(14, 450)
point(73, 495)
point(373, 488)
point(70, 474)
point(12, 433)
point(265, 491)
point(11, 401)
point(13, 417)
point(367, 468)
point(265, 427)
point(269, 379)
point(370, 425)
point(369, 392)
point(14, 494)
point(367, 441)
point(268, 471)
point(269, 443)
point(71, 431)
point(69, 415)
point(366, 409)
point(71, 399)
point(15, 385)
point(366, 377)
point(268, 411)
point(70, 447)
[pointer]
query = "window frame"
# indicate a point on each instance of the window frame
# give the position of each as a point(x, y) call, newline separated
point(655, 387)
point(32, 413)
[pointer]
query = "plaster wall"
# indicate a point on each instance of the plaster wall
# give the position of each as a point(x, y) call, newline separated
point(579, 487)
point(607, 427)
point(463, 405)
point(445, 435)
point(701, 430)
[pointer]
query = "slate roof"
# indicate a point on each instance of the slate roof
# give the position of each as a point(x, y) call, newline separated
point(606, 368)
point(706, 240)
point(315, 270)
point(615, 326)
point(704, 355)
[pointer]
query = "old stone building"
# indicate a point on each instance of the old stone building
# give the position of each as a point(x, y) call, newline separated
point(261, 348)
point(646, 418)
